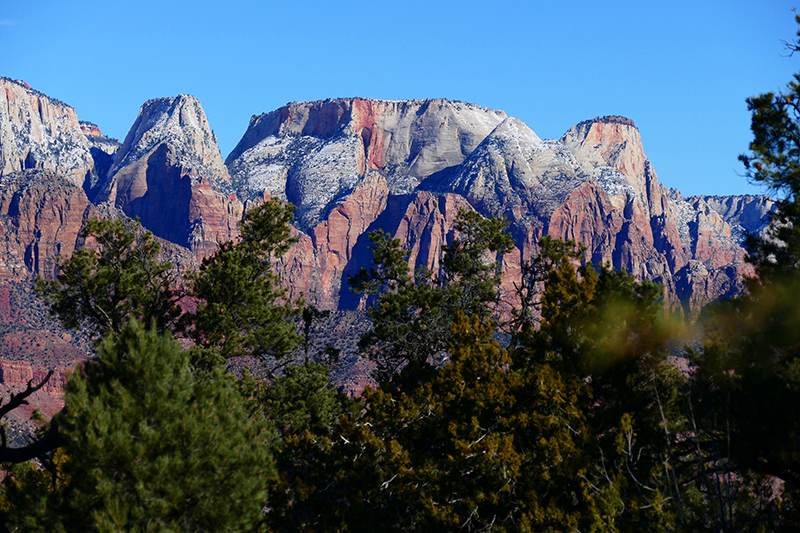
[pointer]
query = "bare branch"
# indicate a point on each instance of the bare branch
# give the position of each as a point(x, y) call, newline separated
point(21, 398)
point(44, 444)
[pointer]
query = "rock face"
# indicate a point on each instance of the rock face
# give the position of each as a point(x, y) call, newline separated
point(595, 185)
point(102, 149)
point(41, 216)
point(745, 214)
point(687, 247)
point(170, 174)
point(90, 129)
point(314, 154)
point(351, 166)
point(39, 132)
point(18, 374)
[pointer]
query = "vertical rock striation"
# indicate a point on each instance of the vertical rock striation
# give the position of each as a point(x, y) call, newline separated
point(314, 154)
point(39, 132)
point(352, 165)
point(41, 217)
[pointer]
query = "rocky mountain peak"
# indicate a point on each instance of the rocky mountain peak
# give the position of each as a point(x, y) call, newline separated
point(325, 119)
point(170, 174)
point(610, 149)
point(352, 165)
point(510, 167)
point(609, 119)
point(39, 132)
point(612, 140)
point(90, 129)
point(181, 123)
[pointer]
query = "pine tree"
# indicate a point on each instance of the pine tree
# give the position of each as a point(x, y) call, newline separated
point(413, 315)
point(243, 310)
point(150, 448)
point(118, 278)
point(747, 370)
point(774, 160)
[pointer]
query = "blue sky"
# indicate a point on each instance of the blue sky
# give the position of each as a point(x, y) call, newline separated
point(680, 69)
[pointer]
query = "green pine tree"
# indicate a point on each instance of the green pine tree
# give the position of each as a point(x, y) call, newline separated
point(413, 315)
point(243, 310)
point(151, 448)
point(119, 277)
point(747, 374)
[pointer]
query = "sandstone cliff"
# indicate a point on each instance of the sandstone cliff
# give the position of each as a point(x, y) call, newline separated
point(594, 185)
point(745, 214)
point(170, 174)
point(17, 374)
point(353, 165)
point(41, 216)
point(315, 153)
point(103, 149)
point(39, 132)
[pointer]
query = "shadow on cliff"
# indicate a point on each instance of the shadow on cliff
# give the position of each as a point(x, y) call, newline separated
point(396, 209)
point(164, 208)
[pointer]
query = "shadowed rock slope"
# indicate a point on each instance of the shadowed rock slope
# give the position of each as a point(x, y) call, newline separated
point(170, 174)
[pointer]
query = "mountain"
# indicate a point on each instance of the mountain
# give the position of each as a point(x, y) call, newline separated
point(39, 132)
point(170, 174)
point(352, 165)
point(314, 154)
point(744, 214)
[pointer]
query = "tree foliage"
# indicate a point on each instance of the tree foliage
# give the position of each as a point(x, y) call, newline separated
point(172, 415)
point(119, 278)
point(479, 446)
point(152, 449)
point(581, 423)
point(243, 310)
point(543, 436)
point(605, 330)
point(526, 300)
point(412, 317)
point(746, 370)
point(774, 160)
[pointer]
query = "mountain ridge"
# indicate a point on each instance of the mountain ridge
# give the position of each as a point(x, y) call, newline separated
point(594, 184)
point(352, 165)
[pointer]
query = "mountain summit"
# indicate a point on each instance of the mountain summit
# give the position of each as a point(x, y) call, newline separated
point(351, 165)
point(315, 153)
point(170, 174)
point(41, 133)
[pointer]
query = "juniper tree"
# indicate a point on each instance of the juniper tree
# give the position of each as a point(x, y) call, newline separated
point(243, 310)
point(119, 277)
point(526, 439)
point(603, 333)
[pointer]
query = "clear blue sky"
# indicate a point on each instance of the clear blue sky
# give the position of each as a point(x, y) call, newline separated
point(680, 69)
